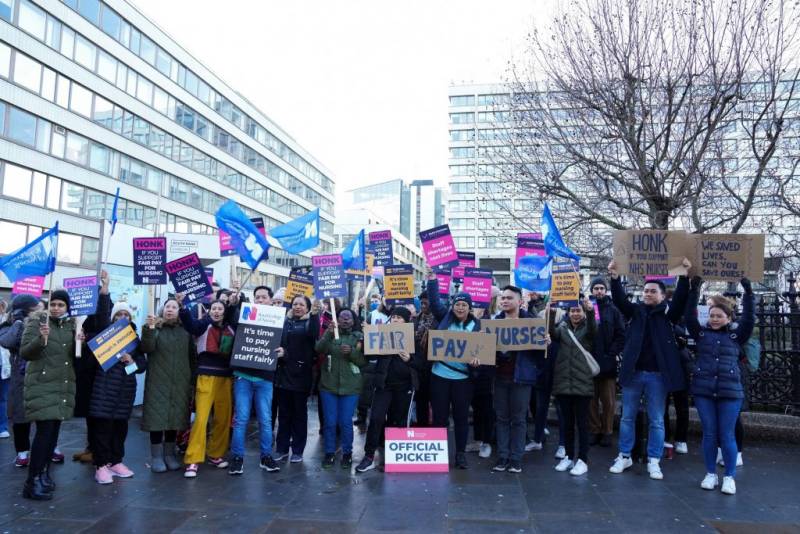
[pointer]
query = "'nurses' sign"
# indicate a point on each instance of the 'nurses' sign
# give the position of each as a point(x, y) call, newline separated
point(416, 450)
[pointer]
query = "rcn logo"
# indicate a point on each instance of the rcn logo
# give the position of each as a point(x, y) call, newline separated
point(409, 433)
point(249, 313)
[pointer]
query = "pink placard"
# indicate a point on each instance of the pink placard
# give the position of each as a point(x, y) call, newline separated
point(528, 245)
point(416, 450)
point(478, 284)
point(30, 285)
point(439, 247)
point(444, 280)
point(465, 259)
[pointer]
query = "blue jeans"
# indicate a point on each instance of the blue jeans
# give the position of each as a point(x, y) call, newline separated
point(4, 404)
point(718, 418)
point(244, 391)
point(338, 410)
point(651, 385)
point(511, 408)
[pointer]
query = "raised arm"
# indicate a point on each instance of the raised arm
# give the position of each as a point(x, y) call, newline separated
point(690, 315)
point(677, 307)
point(747, 321)
point(190, 324)
point(619, 298)
point(438, 309)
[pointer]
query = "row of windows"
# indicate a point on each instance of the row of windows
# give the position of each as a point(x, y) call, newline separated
point(482, 100)
point(497, 169)
point(73, 249)
point(461, 205)
point(483, 134)
point(74, 46)
point(483, 116)
point(464, 242)
point(119, 29)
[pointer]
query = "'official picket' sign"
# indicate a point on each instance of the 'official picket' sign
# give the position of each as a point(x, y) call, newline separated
point(416, 450)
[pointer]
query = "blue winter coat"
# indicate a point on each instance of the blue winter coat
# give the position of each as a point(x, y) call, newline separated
point(442, 313)
point(526, 368)
point(716, 370)
point(660, 319)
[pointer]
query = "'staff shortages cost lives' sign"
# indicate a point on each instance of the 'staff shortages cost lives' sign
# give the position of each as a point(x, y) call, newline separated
point(416, 450)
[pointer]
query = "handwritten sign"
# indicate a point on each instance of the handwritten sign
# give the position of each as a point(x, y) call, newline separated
point(113, 342)
point(389, 338)
point(28, 285)
point(729, 257)
point(566, 285)
point(461, 347)
point(642, 253)
point(439, 247)
point(528, 245)
point(257, 337)
point(149, 255)
point(329, 278)
point(416, 450)
point(465, 259)
point(188, 276)
point(83, 295)
point(300, 283)
point(478, 283)
point(517, 334)
point(381, 246)
point(398, 284)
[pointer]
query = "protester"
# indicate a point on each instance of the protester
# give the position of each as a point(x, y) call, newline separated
point(717, 384)
point(542, 391)
point(110, 406)
point(675, 438)
point(48, 345)
point(651, 364)
point(396, 379)
point(279, 298)
point(451, 383)
point(213, 390)
point(294, 378)
point(378, 314)
point(483, 416)
point(608, 344)
point(423, 322)
point(171, 365)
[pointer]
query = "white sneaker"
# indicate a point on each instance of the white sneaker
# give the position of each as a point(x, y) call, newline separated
point(546, 432)
point(475, 446)
point(739, 459)
point(533, 446)
point(561, 452)
point(621, 463)
point(579, 469)
point(485, 450)
point(565, 464)
point(710, 482)
point(720, 460)
point(681, 447)
point(728, 486)
point(654, 468)
point(4, 434)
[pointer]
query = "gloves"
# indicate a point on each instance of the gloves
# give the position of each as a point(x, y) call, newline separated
point(695, 282)
point(747, 286)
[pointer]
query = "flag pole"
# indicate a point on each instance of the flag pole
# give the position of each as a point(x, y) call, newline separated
point(335, 321)
point(49, 296)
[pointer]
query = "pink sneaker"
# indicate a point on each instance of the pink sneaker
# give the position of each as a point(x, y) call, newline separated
point(21, 461)
point(103, 475)
point(120, 470)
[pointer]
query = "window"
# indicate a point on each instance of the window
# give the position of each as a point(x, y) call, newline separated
point(84, 52)
point(148, 50)
point(462, 152)
point(160, 100)
point(57, 147)
point(69, 245)
point(462, 118)
point(67, 42)
point(27, 73)
point(163, 62)
point(53, 33)
point(89, 254)
point(6, 9)
point(32, 19)
point(43, 136)
point(17, 183)
point(48, 84)
point(53, 193)
point(5, 59)
point(14, 236)
point(39, 189)
point(462, 100)
point(77, 148)
point(99, 158)
point(21, 126)
point(103, 112)
point(106, 66)
point(110, 22)
point(62, 92)
point(72, 199)
point(90, 9)
point(462, 224)
point(144, 91)
point(186, 117)
point(461, 188)
point(462, 135)
point(81, 100)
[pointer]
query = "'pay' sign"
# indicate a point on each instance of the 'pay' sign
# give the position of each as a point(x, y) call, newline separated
point(461, 347)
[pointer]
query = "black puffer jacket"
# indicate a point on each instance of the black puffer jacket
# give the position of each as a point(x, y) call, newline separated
point(298, 339)
point(86, 366)
point(10, 338)
point(114, 390)
point(610, 338)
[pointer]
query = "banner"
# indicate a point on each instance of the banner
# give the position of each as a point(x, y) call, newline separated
point(517, 334)
point(398, 284)
point(257, 336)
point(465, 259)
point(478, 284)
point(37, 258)
point(416, 450)
point(438, 247)
point(28, 285)
point(528, 245)
point(566, 284)
point(300, 283)
point(643, 253)
point(113, 342)
point(354, 254)
point(83, 295)
point(553, 242)
point(381, 245)
point(329, 279)
point(388, 338)
point(149, 255)
point(249, 242)
point(728, 257)
point(188, 276)
point(226, 247)
point(534, 273)
point(298, 235)
point(461, 347)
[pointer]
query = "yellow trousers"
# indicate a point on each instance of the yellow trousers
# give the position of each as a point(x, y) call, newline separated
point(211, 392)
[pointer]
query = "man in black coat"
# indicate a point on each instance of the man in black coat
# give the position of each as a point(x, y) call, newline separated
point(608, 344)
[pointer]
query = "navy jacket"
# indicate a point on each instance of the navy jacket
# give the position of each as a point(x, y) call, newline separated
point(299, 336)
point(716, 370)
point(660, 319)
point(528, 362)
point(114, 391)
point(609, 339)
point(443, 314)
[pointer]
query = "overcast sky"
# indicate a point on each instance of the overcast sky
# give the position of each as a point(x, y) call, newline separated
point(361, 84)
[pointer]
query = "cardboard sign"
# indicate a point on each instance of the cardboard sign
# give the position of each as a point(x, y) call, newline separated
point(398, 284)
point(113, 342)
point(149, 255)
point(226, 248)
point(642, 253)
point(461, 347)
point(329, 278)
point(566, 285)
point(528, 245)
point(83, 295)
point(389, 338)
point(728, 257)
point(416, 450)
point(381, 246)
point(300, 283)
point(257, 336)
point(28, 285)
point(478, 283)
point(439, 247)
point(517, 334)
point(188, 276)
point(465, 259)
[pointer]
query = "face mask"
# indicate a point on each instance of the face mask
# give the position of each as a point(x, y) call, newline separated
point(373, 306)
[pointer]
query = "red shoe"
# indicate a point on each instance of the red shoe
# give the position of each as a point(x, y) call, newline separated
point(21, 461)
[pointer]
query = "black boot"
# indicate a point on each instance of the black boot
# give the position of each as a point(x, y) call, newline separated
point(47, 482)
point(461, 460)
point(34, 489)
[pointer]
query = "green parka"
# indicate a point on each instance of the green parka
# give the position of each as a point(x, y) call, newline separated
point(50, 374)
point(341, 374)
point(572, 374)
point(168, 386)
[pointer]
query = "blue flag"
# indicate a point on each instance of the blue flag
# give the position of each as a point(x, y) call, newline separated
point(534, 273)
point(553, 243)
point(251, 246)
point(37, 258)
point(113, 219)
point(300, 234)
point(354, 255)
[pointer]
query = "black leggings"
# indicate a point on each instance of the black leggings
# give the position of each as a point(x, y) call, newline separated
point(158, 437)
point(575, 411)
point(108, 440)
point(44, 443)
point(681, 400)
point(22, 437)
point(458, 393)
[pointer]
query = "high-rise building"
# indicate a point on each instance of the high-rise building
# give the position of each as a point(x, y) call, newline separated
point(95, 97)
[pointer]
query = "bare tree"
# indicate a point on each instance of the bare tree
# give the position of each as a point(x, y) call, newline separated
point(653, 113)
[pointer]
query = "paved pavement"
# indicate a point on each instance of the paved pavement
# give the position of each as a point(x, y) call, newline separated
point(303, 498)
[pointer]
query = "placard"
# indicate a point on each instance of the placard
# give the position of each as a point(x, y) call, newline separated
point(226, 248)
point(381, 246)
point(188, 276)
point(439, 247)
point(528, 245)
point(83, 295)
point(444, 278)
point(517, 334)
point(566, 284)
point(257, 336)
point(478, 284)
point(358, 274)
point(28, 285)
point(388, 338)
point(416, 450)
point(461, 347)
point(329, 278)
point(300, 283)
point(113, 342)
point(149, 255)
point(729, 257)
point(398, 284)
point(465, 259)
point(642, 253)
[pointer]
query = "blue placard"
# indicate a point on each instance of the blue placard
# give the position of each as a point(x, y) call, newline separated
point(149, 256)
point(329, 278)
point(83, 294)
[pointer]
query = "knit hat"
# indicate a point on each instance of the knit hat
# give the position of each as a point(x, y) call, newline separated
point(599, 281)
point(402, 312)
point(280, 294)
point(463, 297)
point(62, 295)
point(25, 303)
point(121, 306)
